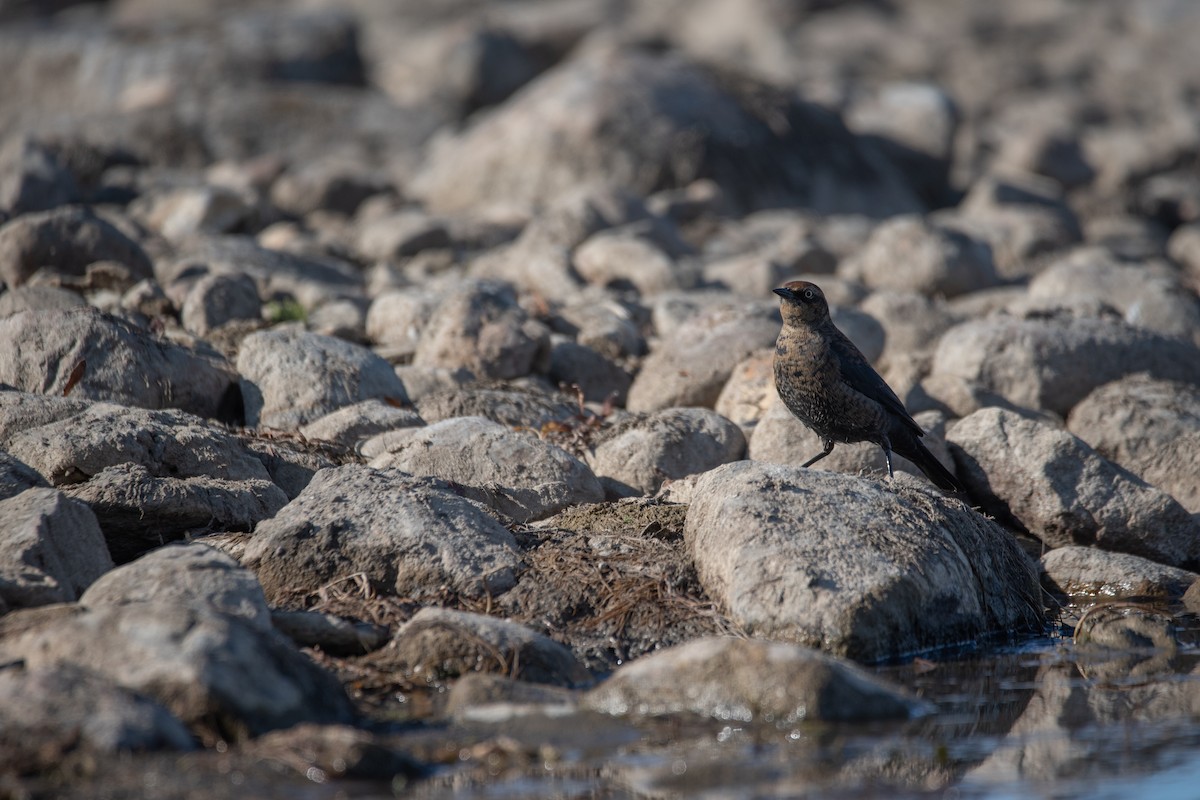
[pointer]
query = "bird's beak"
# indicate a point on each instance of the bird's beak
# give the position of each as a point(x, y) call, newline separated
point(785, 293)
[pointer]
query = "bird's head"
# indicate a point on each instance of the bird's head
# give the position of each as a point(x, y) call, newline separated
point(802, 303)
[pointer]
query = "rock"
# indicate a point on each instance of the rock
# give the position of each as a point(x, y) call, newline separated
point(51, 549)
point(1088, 572)
point(343, 319)
point(329, 633)
point(1149, 295)
point(750, 390)
point(400, 234)
point(1184, 249)
point(1051, 363)
point(16, 476)
point(291, 377)
point(33, 177)
point(1149, 427)
point(405, 535)
point(440, 643)
point(1126, 627)
point(217, 673)
point(896, 571)
point(780, 438)
point(397, 319)
point(637, 255)
point(1126, 237)
point(598, 378)
point(38, 297)
point(479, 327)
point(50, 713)
point(329, 184)
point(291, 468)
point(607, 327)
point(638, 454)
point(515, 407)
point(912, 323)
point(217, 299)
point(179, 213)
point(65, 240)
point(350, 425)
point(748, 680)
point(139, 511)
point(488, 697)
point(602, 117)
point(95, 356)
point(1054, 485)
point(1054, 154)
point(331, 752)
point(188, 575)
point(692, 365)
point(514, 472)
point(911, 254)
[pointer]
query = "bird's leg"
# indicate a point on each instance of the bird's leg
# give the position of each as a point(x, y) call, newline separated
point(886, 444)
point(828, 449)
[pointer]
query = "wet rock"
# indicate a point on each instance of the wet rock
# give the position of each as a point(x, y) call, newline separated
point(397, 319)
point(488, 697)
point(351, 424)
point(440, 643)
point(291, 377)
point(601, 118)
point(65, 240)
point(515, 408)
point(1051, 363)
point(780, 438)
point(184, 574)
point(911, 254)
point(748, 680)
point(1119, 626)
point(637, 455)
point(895, 571)
point(692, 365)
point(217, 299)
point(38, 297)
point(1150, 295)
point(1149, 427)
point(1061, 490)
point(481, 328)
point(16, 476)
point(100, 357)
point(33, 177)
point(50, 713)
point(406, 535)
point(514, 472)
point(51, 549)
point(1086, 571)
point(217, 673)
point(599, 379)
point(750, 391)
point(331, 752)
point(329, 633)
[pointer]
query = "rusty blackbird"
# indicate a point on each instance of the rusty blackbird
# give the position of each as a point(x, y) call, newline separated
point(828, 385)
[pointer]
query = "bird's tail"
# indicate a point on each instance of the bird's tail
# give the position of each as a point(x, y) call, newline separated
point(911, 448)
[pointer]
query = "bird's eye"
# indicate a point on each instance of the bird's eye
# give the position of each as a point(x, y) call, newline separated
point(809, 294)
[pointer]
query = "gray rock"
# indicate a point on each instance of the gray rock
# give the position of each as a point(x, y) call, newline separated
point(631, 255)
point(607, 327)
point(488, 697)
point(780, 438)
point(1150, 295)
point(344, 318)
point(38, 297)
point(397, 319)
point(514, 407)
point(1184, 249)
point(1149, 427)
point(330, 633)
point(912, 254)
point(750, 391)
point(1126, 627)
point(217, 299)
point(514, 472)
point(405, 535)
point(1053, 363)
point(351, 424)
point(33, 177)
point(291, 468)
point(218, 674)
point(291, 377)
point(598, 378)
point(179, 213)
point(329, 184)
point(46, 713)
point(1055, 154)
point(638, 454)
point(65, 240)
point(692, 365)
point(1088, 572)
point(440, 643)
point(602, 117)
point(113, 361)
point(1064, 492)
point(896, 570)
point(16, 476)
point(184, 574)
point(479, 327)
point(331, 752)
point(51, 549)
point(748, 680)
point(400, 234)
point(912, 323)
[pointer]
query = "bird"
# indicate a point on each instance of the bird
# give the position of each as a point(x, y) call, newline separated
point(827, 383)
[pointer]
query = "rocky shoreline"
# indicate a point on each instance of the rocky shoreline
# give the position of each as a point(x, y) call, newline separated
point(386, 396)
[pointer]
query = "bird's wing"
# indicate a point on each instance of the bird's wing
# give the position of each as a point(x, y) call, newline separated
point(860, 376)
